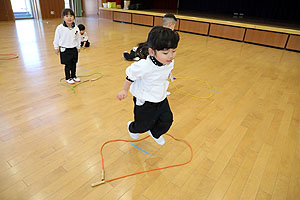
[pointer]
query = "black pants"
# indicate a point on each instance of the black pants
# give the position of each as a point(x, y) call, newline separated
point(129, 56)
point(87, 43)
point(156, 117)
point(69, 58)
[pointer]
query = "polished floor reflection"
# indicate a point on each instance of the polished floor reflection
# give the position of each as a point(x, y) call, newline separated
point(27, 35)
point(245, 138)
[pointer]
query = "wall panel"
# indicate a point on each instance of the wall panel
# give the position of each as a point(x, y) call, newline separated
point(194, 26)
point(142, 19)
point(6, 12)
point(106, 14)
point(47, 6)
point(229, 32)
point(294, 42)
point(122, 17)
point(266, 38)
point(263, 35)
point(158, 21)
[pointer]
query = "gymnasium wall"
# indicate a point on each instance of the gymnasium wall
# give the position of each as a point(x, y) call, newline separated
point(89, 7)
point(47, 6)
point(6, 12)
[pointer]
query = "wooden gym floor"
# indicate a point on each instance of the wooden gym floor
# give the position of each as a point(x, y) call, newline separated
point(246, 138)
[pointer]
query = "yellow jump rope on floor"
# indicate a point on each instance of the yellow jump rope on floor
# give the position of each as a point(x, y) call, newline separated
point(208, 86)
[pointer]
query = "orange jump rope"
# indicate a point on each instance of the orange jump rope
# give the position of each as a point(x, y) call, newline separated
point(102, 181)
point(141, 172)
point(8, 56)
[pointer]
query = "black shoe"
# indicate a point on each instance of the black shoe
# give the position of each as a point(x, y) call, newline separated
point(126, 56)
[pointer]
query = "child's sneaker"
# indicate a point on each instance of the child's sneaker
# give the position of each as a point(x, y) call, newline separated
point(132, 135)
point(70, 81)
point(160, 140)
point(76, 79)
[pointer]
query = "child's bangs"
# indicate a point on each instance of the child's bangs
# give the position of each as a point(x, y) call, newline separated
point(66, 12)
point(168, 41)
point(160, 38)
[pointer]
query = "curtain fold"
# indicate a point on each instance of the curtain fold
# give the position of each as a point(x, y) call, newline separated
point(78, 8)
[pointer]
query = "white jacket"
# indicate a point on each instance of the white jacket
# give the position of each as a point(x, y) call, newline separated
point(66, 37)
point(150, 80)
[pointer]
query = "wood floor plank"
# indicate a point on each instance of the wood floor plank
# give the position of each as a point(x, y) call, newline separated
point(236, 187)
point(224, 157)
point(245, 138)
point(251, 188)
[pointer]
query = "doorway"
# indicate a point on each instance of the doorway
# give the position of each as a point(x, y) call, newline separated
point(22, 9)
point(68, 4)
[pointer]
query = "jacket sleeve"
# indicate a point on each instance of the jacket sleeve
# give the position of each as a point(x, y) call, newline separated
point(78, 38)
point(56, 38)
point(136, 70)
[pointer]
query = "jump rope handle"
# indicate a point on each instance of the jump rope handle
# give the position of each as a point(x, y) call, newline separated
point(171, 77)
point(100, 182)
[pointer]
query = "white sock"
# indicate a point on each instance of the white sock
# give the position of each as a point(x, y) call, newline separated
point(132, 135)
point(160, 140)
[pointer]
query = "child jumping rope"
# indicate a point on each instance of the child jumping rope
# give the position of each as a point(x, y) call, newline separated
point(67, 42)
point(147, 80)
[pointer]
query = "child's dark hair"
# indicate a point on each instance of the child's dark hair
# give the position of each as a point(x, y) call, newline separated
point(81, 27)
point(142, 50)
point(160, 38)
point(67, 11)
point(170, 16)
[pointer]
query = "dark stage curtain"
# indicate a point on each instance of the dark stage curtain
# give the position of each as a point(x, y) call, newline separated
point(153, 4)
point(165, 4)
point(282, 10)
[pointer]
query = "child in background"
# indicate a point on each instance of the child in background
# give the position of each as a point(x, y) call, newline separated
point(67, 43)
point(147, 80)
point(141, 51)
point(84, 37)
point(169, 21)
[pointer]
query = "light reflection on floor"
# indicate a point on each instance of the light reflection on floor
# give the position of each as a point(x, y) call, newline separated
point(28, 39)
